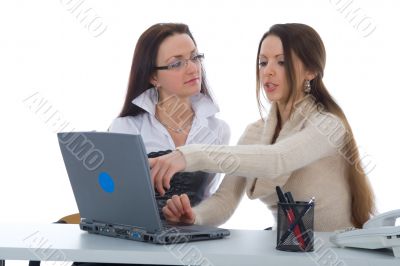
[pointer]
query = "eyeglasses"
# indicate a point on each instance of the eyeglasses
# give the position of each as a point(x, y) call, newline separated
point(182, 63)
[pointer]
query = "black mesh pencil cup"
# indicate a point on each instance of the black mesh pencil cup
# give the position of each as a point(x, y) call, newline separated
point(295, 230)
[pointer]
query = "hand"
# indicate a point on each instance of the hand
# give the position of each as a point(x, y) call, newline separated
point(178, 209)
point(164, 167)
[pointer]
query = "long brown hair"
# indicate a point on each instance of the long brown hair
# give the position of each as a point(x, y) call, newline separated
point(144, 61)
point(306, 43)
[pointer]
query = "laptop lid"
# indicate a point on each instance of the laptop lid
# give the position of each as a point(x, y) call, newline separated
point(107, 171)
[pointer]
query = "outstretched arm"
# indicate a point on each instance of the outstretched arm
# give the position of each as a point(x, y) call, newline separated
point(264, 161)
point(261, 161)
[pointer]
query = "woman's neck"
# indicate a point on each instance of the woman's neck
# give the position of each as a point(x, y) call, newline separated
point(285, 109)
point(174, 111)
point(284, 112)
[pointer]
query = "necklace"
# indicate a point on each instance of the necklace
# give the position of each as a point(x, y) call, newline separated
point(179, 130)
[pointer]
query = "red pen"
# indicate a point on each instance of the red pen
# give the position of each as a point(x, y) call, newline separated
point(296, 230)
point(291, 217)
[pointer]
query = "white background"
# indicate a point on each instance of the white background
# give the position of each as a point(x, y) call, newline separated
point(47, 50)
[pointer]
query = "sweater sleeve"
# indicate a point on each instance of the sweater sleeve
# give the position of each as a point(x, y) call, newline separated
point(265, 161)
point(223, 139)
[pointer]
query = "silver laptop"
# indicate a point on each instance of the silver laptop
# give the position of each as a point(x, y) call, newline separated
point(110, 178)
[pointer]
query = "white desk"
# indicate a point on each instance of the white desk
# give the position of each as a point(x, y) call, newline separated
point(60, 242)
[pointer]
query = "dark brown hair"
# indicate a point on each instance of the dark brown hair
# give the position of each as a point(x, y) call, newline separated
point(144, 61)
point(306, 44)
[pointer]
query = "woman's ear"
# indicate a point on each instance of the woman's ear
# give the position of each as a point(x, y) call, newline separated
point(153, 80)
point(310, 75)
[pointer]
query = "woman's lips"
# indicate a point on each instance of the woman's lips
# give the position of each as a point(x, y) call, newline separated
point(270, 87)
point(192, 81)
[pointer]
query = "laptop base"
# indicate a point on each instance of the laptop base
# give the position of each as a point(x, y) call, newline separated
point(171, 234)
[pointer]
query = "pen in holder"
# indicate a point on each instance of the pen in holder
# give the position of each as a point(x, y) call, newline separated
point(295, 230)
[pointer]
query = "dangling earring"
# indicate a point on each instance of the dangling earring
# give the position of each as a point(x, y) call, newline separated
point(156, 87)
point(307, 86)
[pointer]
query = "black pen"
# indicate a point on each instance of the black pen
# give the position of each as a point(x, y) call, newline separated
point(297, 220)
point(280, 194)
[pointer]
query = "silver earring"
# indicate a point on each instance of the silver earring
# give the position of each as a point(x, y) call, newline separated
point(307, 86)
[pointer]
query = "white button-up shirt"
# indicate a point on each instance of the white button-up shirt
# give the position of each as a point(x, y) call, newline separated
point(206, 128)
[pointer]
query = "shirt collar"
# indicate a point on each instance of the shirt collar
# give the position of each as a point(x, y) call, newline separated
point(202, 105)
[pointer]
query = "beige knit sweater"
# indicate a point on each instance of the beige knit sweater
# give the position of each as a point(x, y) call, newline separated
point(305, 159)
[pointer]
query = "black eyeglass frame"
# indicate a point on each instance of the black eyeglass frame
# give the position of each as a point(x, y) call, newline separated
point(196, 58)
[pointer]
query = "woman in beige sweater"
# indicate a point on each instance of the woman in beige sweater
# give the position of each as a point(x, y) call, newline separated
point(305, 145)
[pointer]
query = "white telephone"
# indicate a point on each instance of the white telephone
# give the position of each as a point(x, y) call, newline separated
point(378, 232)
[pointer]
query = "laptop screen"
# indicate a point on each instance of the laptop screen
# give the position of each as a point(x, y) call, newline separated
point(110, 178)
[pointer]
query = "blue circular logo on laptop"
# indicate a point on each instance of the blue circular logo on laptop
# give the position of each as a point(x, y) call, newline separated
point(106, 182)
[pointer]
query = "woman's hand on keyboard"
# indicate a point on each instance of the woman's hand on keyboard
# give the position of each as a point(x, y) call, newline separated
point(164, 167)
point(178, 209)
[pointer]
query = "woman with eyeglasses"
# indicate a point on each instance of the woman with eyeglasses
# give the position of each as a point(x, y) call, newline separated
point(169, 103)
point(305, 145)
